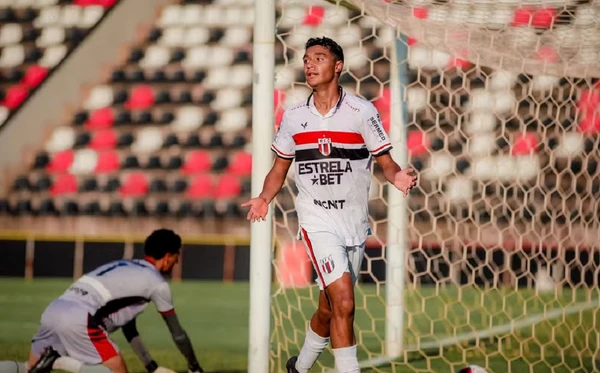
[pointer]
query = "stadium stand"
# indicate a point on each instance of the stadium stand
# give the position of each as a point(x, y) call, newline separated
point(35, 36)
point(168, 134)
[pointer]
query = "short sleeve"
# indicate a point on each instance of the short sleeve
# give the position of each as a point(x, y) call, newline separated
point(376, 139)
point(283, 144)
point(161, 297)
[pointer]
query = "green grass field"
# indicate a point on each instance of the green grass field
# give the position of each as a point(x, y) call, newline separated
point(216, 318)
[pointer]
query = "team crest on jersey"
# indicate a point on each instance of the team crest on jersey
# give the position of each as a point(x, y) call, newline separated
point(327, 264)
point(325, 146)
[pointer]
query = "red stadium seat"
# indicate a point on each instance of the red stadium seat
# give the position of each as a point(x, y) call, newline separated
point(15, 96)
point(278, 98)
point(228, 186)
point(417, 143)
point(104, 3)
point(100, 118)
point(420, 12)
point(590, 124)
point(196, 162)
point(64, 184)
point(314, 15)
point(61, 161)
point(136, 184)
point(103, 139)
point(141, 97)
point(383, 103)
point(34, 75)
point(108, 161)
point(241, 164)
point(525, 143)
point(202, 186)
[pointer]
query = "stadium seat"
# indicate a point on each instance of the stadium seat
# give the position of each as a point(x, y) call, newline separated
point(241, 164)
point(99, 97)
point(227, 186)
point(525, 144)
point(61, 161)
point(64, 184)
point(103, 139)
point(201, 186)
point(187, 118)
point(148, 140)
point(134, 185)
point(15, 96)
point(197, 161)
point(141, 97)
point(100, 118)
point(84, 162)
point(108, 161)
point(34, 76)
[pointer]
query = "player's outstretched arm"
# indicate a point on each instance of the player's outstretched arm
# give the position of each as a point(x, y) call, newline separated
point(271, 186)
point(182, 341)
point(403, 180)
point(133, 337)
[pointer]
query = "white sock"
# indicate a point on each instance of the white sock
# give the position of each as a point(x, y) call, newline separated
point(67, 363)
point(12, 366)
point(346, 360)
point(314, 344)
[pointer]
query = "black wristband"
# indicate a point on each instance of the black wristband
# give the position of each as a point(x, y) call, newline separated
point(152, 366)
point(195, 367)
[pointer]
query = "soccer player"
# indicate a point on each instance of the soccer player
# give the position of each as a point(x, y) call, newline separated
point(332, 136)
point(74, 329)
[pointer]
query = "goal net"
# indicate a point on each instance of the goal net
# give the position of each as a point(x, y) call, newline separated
point(496, 104)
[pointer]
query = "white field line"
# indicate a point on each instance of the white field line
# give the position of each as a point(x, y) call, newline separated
point(482, 334)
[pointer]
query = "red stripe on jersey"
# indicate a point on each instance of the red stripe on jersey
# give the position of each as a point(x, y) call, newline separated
point(169, 312)
point(303, 138)
point(312, 257)
point(381, 148)
point(99, 339)
point(280, 152)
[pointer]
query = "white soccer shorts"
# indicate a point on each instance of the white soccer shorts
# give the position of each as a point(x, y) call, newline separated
point(331, 258)
point(70, 330)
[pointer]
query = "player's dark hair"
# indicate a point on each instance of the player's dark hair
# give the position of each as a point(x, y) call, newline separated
point(332, 46)
point(161, 242)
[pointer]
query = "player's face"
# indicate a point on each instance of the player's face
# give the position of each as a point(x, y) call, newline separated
point(320, 67)
point(169, 262)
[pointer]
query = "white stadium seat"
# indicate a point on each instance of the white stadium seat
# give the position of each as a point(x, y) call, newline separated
point(148, 140)
point(480, 122)
point(571, 145)
point(441, 164)
point(502, 80)
point(155, 56)
point(213, 16)
point(459, 189)
point(172, 37)
point(348, 36)
point(220, 56)
point(99, 97)
point(70, 15)
point(171, 15)
point(12, 56)
point(336, 16)
point(481, 100)
point(482, 144)
point(40, 4)
point(196, 57)
point(241, 76)
point(232, 120)
point(237, 36)
point(227, 98)
point(84, 162)
point(11, 33)
point(53, 56)
point(195, 36)
point(90, 16)
point(543, 83)
point(187, 119)
point(62, 138)
point(285, 76)
point(291, 16)
point(236, 16)
point(192, 15)
point(4, 113)
point(49, 16)
point(50, 36)
point(218, 77)
point(416, 98)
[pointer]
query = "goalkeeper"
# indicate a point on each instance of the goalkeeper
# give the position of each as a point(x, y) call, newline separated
point(74, 329)
point(332, 136)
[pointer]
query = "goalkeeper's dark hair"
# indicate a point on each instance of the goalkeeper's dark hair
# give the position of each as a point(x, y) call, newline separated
point(161, 242)
point(330, 44)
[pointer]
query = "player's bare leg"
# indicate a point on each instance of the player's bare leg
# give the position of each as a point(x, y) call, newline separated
point(116, 364)
point(341, 298)
point(317, 338)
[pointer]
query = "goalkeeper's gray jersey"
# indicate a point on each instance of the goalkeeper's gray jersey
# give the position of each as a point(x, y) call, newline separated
point(117, 292)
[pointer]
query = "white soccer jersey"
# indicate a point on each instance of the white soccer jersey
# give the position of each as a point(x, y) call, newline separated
point(332, 156)
point(117, 292)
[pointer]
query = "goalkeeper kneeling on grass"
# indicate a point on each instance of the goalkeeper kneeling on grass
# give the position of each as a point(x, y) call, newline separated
point(74, 329)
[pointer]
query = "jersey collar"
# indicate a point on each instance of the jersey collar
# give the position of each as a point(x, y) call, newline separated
point(310, 102)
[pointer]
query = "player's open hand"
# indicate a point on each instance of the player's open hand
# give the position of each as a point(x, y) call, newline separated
point(405, 181)
point(258, 209)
